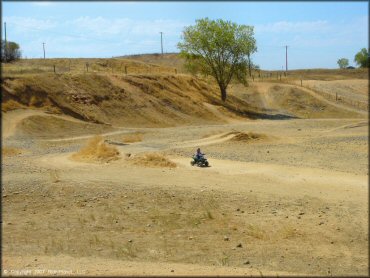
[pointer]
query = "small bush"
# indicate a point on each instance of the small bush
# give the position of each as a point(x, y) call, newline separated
point(132, 138)
point(11, 105)
point(153, 160)
point(96, 150)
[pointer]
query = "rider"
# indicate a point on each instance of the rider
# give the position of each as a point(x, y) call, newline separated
point(199, 155)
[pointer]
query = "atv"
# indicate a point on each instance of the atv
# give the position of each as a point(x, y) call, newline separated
point(202, 162)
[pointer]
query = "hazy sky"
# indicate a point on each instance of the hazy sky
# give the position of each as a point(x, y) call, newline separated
point(317, 33)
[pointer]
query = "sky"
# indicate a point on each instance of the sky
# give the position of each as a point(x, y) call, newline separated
point(317, 33)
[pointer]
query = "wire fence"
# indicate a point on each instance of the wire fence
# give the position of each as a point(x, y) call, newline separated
point(334, 96)
point(65, 66)
point(362, 105)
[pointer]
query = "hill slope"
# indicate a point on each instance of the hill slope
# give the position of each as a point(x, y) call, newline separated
point(123, 100)
point(150, 95)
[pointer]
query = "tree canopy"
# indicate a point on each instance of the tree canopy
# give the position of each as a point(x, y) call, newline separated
point(218, 48)
point(343, 63)
point(10, 51)
point(362, 58)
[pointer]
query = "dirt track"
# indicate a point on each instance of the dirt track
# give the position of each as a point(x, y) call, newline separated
point(294, 201)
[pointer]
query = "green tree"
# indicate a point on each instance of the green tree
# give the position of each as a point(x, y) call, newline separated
point(362, 58)
point(218, 48)
point(10, 51)
point(343, 63)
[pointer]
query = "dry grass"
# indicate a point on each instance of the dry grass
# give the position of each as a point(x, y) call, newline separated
point(96, 151)
point(163, 99)
point(153, 160)
point(54, 176)
point(289, 232)
point(256, 232)
point(241, 136)
point(247, 136)
point(9, 151)
point(11, 105)
point(101, 65)
point(133, 137)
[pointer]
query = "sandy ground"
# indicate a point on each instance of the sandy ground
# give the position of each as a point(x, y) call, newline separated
point(292, 202)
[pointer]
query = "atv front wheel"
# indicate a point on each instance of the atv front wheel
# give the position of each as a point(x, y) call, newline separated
point(192, 163)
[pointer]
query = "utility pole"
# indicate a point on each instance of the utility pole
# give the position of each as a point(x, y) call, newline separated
point(6, 45)
point(161, 43)
point(286, 59)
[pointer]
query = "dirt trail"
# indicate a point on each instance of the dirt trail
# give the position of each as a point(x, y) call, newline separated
point(282, 173)
point(272, 196)
point(91, 266)
point(11, 119)
point(264, 87)
point(346, 126)
point(218, 138)
point(341, 106)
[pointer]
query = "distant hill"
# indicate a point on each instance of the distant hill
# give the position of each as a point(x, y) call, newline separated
point(167, 59)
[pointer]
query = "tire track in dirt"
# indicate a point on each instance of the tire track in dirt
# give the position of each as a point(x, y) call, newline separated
point(283, 173)
point(321, 98)
point(11, 119)
point(268, 103)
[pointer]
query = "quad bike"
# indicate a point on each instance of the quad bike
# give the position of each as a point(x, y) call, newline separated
point(201, 162)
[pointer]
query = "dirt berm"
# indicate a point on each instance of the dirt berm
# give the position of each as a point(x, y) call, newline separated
point(125, 100)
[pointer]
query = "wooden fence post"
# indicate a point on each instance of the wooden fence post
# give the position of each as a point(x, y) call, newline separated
point(54, 68)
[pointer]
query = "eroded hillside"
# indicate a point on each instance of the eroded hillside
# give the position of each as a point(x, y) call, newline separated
point(151, 92)
point(125, 100)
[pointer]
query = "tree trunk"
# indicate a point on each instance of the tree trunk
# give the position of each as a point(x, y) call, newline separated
point(249, 65)
point(223, 93)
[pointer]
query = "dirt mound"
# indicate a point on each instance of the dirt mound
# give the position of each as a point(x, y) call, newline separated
point(133, 137)
point(122, 100)
point(47, 127)
point(153, 160)
point(11, 105)
point(96, 151)
point(248, 137)
point(300, 103)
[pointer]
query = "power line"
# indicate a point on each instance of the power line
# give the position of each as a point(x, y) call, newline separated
point(286, 58)
point(43, 46)
point(6, 45)
point(161, 43)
